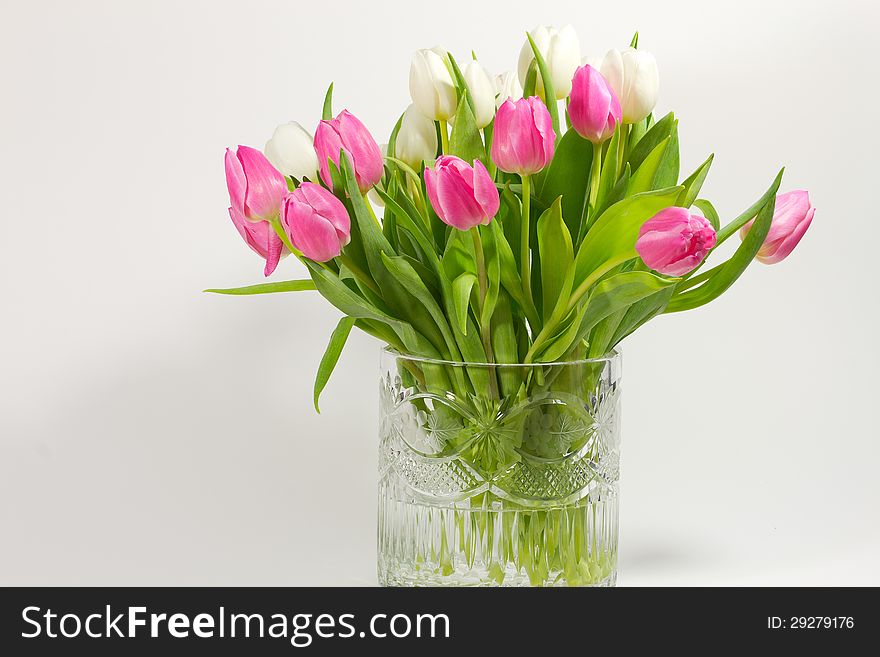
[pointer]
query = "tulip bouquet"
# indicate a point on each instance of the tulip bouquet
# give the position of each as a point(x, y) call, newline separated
point(535, 218)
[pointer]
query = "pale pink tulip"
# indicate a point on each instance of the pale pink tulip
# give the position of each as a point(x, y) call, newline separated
point(347, 133)
point(523, 137)
point(261, 237)
point(255, 186)
point(674, 241)
point(593, 107)
point(791, 218)
point(463, 196)
point(316, 222)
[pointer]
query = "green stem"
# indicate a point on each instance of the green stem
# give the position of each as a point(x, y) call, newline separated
point(524, 250)
point(484, 317)
point(444, 138)
point(621, 148)
point(595, 173)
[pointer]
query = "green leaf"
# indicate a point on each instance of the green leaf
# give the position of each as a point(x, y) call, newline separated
point(331, 356)
point(564, 338)
point(610, 168)
point(531, 84)
point(568, 176)
point(465, 141)
point(557, 258)
point(635, 40)
point(670, 164)
point(693, 183)
point(461, 298)
point(505, 347)
point(266, 288)
point(709, 212)
point(413, 225)
point(463, 92)
point(750, 212)
point(546, 83)
point(733, 268)
point(657, 133)
point(618, 193)
point(608, 297)
point(642, 179)
point(327, 111)
point(639, 313)
point(614, 234)
point(412, 283)
point(493, 273)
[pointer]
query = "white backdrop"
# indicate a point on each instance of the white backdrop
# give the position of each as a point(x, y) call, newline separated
point(151, 434)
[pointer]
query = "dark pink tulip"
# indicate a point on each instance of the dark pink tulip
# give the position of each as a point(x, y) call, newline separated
point(674, 241)
point(523, 137)
point(791, 218)
point(463, 196)
point(255, 186)
point(316, 222)
point(261, 237)
point(347, 133)
point(593, 106)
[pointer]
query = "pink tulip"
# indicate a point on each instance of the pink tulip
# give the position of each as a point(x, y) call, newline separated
point(791, 218)
point(261, 237)
point(255, 186)
point(593, 107)
point(316, 222)
point(463, 196)
point(674, 241)
point(347, 133)
point(255, 193)
point(523, 137)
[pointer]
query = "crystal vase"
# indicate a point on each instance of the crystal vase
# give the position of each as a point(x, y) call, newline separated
point(498, 475)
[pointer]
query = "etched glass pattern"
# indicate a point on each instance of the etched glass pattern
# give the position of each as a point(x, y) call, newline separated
point(498, 475)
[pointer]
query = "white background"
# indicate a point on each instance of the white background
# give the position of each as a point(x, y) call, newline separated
point(152, 434)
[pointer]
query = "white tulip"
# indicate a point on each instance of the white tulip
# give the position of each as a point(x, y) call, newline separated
point(482, 90)
point(416, 139)
point(634, 77)
point(507, 86)
point(561, 50)
point(431, 86)
point(291, 150)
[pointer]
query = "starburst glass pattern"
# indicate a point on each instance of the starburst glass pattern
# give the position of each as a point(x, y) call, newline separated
point(478, 487)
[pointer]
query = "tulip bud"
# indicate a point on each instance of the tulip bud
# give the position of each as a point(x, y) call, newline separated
point(523, 138)
point(416, 139)
point(791, 218)
point(560, 49)
point(291, 150)
point(633, 76)
point(482, 90)
point(674, 241)
point(316, 222)
point(507, 86)
point(593, 107)
point(255, 187)
point(347, 133)
point(463, 196)
point(431, 86)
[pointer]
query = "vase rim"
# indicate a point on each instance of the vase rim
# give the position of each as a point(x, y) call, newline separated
point(612, 355)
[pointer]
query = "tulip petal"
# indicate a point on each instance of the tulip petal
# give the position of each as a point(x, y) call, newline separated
point(485, 191)
point(265, 185)
point(235, 181)
point(261, 238)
